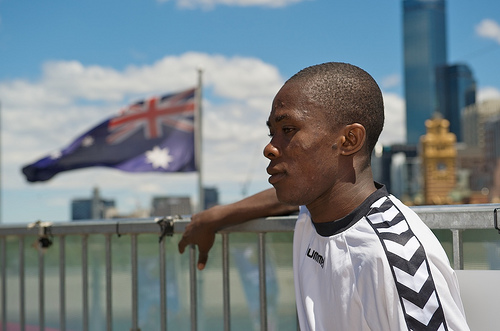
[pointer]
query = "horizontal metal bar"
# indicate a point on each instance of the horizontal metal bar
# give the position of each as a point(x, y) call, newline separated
point(88, 227)
point(462, 217)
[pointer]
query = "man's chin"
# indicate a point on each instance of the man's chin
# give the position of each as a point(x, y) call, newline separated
point(284, 197)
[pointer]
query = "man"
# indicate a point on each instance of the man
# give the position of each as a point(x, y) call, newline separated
point(362, 260)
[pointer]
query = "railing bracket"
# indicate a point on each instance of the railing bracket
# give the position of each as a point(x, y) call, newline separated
point(44, 234)
point(495, 219)
point(167, 225)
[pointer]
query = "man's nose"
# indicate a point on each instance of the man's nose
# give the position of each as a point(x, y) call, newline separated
point(271, 151)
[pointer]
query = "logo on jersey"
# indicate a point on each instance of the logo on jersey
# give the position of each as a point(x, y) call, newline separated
point(316, 256)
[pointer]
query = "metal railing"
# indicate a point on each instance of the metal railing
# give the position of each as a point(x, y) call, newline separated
point(455, 218)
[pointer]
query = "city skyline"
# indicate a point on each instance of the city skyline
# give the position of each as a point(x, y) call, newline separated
point(75, 64)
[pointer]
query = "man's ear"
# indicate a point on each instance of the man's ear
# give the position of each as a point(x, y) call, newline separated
point(354, 138)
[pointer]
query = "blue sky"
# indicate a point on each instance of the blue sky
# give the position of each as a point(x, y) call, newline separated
point(67, 65)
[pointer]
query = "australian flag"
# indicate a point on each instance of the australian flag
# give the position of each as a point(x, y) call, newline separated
point(155, 134)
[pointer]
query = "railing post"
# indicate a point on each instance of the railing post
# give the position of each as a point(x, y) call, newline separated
point(225, 282)
point(135, 296)
point(167, 229)
point(163, 287)
point(85, 283)
point(22, 285)
point(458, 260)
point(109, 284)
point(41, 289)
point(193, 288)
point(262, 282)
point(3, 257)
point(62, 283)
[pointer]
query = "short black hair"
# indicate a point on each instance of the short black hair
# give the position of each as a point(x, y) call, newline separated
point(348, 94)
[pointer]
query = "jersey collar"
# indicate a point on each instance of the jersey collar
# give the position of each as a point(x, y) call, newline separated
point(328, 229)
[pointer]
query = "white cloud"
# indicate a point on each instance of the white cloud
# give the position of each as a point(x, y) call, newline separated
point(488, 28)
point(391, 81)
point(487, 93)
point(209, 4)
point(395, 127)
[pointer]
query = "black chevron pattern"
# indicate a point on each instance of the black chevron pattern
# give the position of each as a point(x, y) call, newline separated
point(410, 267)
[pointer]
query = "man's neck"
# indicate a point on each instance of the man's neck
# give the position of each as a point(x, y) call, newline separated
point(341, 201)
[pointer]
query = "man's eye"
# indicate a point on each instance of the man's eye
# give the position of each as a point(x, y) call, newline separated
point(287, 130)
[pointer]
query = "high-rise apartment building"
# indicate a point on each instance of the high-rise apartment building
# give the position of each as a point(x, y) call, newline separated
point(480, 137)
point(492, 156)
point(424, 43)
point(474, 118)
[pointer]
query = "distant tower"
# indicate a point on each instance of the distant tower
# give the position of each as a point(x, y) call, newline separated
point(439, 153)
point(424, 40)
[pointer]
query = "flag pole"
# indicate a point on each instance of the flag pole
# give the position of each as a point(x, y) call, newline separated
point(1, 218)
point(201, 199)
point(198, 142)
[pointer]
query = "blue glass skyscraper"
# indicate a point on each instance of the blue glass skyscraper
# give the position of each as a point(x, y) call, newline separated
point(456, 89)
point(424, 40)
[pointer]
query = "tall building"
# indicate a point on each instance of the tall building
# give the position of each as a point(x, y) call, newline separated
point(472, 165)
point(211, 197)
point(456, 89)
point(171, 206)
point(424, 43)
point(397, 167)
point(91, 208)
point(492, 154)
point(480, 155)
point(474, 118)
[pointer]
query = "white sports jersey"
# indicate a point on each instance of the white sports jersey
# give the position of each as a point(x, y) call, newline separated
point(378, 268)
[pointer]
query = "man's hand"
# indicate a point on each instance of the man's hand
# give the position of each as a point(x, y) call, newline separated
point(201, 232)
point(203, 226)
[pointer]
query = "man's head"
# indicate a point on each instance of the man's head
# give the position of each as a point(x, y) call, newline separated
point(348, 95)
point(324, 123)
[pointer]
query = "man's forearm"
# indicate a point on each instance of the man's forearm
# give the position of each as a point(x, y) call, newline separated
point(262, 204)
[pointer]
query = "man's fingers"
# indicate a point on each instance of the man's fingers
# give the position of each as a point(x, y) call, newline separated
point(203, 255)
point(202, 260)
point(182, 245)
point(198, 235)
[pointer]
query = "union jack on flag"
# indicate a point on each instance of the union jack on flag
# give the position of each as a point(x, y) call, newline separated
point(175, 110)
point(155, 134)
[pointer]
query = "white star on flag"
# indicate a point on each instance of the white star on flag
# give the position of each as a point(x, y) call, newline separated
point(87, 141)
point(159, 157)
point(55, 155)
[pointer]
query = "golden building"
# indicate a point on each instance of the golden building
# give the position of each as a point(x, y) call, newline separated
point(438, 154)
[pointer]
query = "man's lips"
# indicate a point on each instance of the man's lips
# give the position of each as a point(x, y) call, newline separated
point(276, 176)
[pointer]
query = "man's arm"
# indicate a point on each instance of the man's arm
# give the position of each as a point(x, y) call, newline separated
point(203, 226)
